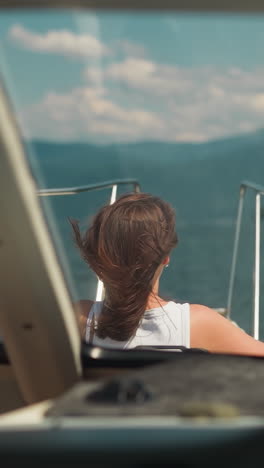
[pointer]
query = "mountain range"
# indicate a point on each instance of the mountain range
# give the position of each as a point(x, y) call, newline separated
point(201, 180)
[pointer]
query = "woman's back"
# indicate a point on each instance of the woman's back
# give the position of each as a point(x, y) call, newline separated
point(127, 246)
point(168, 325)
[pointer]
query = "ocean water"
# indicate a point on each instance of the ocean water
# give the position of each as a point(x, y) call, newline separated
point(201, 181)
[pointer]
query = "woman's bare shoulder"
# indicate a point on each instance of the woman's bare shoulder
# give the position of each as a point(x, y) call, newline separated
point(83, 305)
point(208, 323)
point(82, 309)
point(201, 314)
point(214, 332)
point(201, 309)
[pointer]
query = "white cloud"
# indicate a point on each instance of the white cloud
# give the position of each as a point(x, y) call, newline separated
point(149, 76)
point(130, 49)
point(59, 42)
point(87, 113)
point(137, 99)
point(257, 102)
point(185, 85)
point(195, 104)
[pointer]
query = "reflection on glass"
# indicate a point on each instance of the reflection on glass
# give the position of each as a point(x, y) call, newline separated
point(175, 101)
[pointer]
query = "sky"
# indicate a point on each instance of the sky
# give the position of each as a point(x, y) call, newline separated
point(124, 77)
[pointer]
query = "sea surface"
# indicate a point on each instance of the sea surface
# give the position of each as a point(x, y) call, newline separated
point(200, 180)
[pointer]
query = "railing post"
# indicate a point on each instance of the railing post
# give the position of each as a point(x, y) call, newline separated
point(136, 187)
point(99, 291)
point(256, 276)
point(100, 286)
point(235, 251)
point(113, 194)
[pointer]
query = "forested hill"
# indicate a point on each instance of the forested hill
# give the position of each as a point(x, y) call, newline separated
point(201, 180)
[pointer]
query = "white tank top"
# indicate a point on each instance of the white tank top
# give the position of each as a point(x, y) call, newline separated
point(162, 326)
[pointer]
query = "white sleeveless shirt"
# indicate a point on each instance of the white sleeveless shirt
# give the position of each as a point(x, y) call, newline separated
point(162, 326)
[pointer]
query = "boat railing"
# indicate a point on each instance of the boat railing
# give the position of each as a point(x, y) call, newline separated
point(245, 186)
point(91, 187)
point(111, 184)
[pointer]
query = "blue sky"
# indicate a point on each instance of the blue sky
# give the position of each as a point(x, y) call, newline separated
point(128, 77)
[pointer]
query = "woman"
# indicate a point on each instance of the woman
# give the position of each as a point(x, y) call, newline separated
point(127, 246)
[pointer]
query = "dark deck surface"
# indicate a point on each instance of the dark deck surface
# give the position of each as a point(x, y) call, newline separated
point(190, 379)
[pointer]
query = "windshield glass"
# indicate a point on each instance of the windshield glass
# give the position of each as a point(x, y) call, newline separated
point(174, 101)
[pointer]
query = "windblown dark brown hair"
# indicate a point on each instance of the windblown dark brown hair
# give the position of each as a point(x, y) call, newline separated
point(124, 246)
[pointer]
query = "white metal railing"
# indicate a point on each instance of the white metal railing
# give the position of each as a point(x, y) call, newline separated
point(90, 187)
point(259, 191)
point(113, 184)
